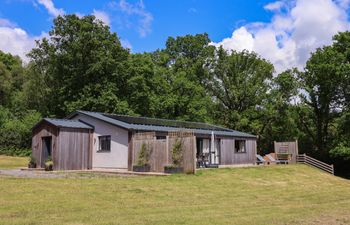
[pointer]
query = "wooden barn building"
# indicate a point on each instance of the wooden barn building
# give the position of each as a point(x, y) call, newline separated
point(92, 140)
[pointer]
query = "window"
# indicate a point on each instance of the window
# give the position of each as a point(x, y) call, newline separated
point(104, 143)
point(240, 146)
point(161, 137)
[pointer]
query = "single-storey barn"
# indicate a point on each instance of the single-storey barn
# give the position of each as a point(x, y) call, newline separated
point(91, 140)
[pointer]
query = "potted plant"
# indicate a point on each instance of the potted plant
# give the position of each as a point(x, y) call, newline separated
point(177, 158)
point(143, 158)
point(32, 162)
point(48, 164)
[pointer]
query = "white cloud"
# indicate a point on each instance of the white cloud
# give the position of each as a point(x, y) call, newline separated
point(103, 16)
point(16, 41)
point(241, 39)
point(126, 44)
point(274, 6)
point(53, 11)
point(293, 32)
point(145, 18)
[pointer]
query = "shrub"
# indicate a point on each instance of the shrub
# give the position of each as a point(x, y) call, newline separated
point(32, 162)
point(15, 151)
point(48, 164)
point(177, 152)
point(15, 132)
point(341, 151)
point(144, 155)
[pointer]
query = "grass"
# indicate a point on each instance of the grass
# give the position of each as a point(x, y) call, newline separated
point(293, 194)
point(11, 162)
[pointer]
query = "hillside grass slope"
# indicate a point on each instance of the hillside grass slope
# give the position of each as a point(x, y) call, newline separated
point(292, 194)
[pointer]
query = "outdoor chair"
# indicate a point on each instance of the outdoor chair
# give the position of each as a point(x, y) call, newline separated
point(283, 158)
point(203, 160)
point(206, 159)
point(260, 160)
point(276, 161)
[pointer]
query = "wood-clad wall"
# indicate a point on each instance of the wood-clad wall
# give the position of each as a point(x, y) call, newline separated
point(227, 151)
point(71, 147)
point(230, 157)
point(44, 130)
point(73, 152)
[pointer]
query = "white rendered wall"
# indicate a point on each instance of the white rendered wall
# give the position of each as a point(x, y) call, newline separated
point(118, 156)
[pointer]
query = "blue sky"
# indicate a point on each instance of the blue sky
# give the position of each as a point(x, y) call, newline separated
point(170, 17)
point(284, 32)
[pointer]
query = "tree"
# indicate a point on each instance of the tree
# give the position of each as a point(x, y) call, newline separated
point(12, 78)
point(80, 62)
point(321, 91)
point(167, 83)
point(280, 118)
point(5, 85)
point(239, 83)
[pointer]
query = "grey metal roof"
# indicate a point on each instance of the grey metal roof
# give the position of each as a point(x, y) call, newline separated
point(164, 122)
point(67, 123)
point(152, 124)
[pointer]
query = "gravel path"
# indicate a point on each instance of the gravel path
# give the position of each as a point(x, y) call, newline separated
point(32, 174)
point(45, 174)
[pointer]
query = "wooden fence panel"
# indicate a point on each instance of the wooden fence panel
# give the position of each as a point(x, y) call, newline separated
point(287, 148)
point(305, 159)
point(159, 156)
point(162, 151)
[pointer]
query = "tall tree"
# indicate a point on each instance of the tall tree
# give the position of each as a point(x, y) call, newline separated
point(321, 91)
point(11, 76)
point(182, 66)
point(239, 83)
point(280, 118)
point(82, 63)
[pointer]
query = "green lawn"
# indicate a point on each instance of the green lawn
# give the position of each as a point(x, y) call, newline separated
point(9, 162)
point(261, 195)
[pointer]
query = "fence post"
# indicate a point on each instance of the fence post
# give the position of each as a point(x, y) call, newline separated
point(332, 169)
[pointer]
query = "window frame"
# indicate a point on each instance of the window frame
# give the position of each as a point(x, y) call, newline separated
point(237, 150)
point(160, 137)
point(104, 138)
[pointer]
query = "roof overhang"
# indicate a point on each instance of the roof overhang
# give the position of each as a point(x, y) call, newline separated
point(141, 127)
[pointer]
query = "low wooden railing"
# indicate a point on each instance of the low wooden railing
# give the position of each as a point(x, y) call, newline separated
point(305, 159)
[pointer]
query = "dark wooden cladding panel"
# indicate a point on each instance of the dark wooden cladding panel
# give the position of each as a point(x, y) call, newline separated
point(74, 150)
point(227, 151)
point(248, 156)
point(230, 157)
point(44, 130)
